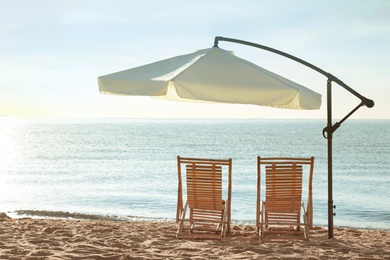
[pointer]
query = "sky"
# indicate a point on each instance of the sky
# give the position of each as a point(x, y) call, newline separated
point(52, 51)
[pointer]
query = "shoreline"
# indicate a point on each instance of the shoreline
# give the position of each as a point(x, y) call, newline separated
point(28, 238)
point(65, 215)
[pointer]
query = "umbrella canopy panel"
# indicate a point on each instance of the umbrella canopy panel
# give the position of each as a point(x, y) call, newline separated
point(213, 75)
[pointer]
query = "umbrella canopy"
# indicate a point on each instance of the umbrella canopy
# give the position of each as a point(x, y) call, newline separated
point(211, 75)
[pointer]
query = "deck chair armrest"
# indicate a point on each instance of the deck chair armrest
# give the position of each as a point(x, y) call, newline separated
point(305, 214)
point(225, 210)
point(183, 212)
point(262, 210)
point(261, 214)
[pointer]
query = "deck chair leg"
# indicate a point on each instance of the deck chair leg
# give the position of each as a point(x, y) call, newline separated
point(262, 221)
point(305, 220)
point(181, 221)
point(224, 222)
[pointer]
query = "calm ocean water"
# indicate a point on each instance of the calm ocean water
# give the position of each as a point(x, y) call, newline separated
point(127, 168)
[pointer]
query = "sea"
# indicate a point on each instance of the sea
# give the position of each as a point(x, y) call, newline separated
point(126, 169)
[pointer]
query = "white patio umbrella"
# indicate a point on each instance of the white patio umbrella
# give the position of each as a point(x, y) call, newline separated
point(212, 75)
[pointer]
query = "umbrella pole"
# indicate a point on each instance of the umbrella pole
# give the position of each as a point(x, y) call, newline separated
point(330, 159)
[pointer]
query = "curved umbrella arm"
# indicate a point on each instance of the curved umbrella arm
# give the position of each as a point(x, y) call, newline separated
point(367, 102)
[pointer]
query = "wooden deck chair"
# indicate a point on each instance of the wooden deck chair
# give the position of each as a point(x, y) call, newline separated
point(209, 215)
point(282, 215)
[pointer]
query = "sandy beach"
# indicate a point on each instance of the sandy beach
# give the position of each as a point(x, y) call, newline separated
point(101, 239)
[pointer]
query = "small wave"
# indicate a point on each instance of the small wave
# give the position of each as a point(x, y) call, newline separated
point(81, 216)
point(63, 215)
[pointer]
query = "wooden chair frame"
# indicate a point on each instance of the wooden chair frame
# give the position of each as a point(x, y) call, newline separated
point(284, 215)
point(209, 214)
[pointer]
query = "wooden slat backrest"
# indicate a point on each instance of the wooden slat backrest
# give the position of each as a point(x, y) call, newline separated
point(283, 187)
point(204, 185)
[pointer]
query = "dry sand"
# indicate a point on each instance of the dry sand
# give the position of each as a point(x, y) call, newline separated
point(98, 239)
